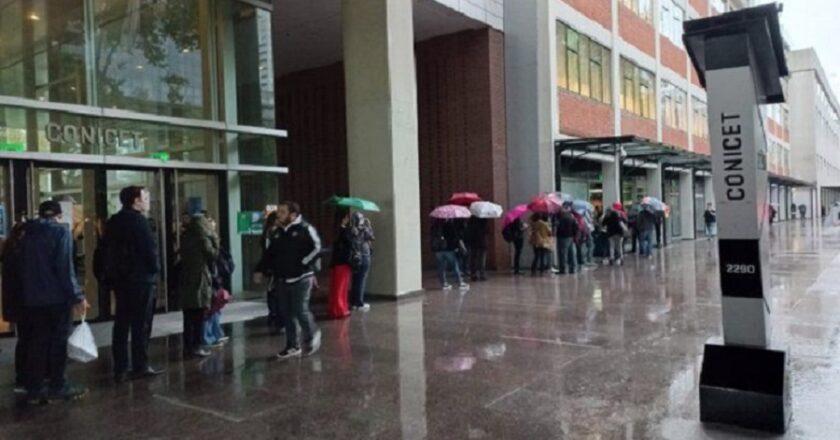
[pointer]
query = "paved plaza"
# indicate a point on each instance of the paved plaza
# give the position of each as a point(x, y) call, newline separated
point(612, 353)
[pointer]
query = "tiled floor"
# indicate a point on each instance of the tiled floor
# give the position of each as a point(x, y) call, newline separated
point(612, 353)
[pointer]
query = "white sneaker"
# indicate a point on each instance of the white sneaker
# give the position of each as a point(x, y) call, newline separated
point(314, 345)
point(289, 353)
point(446, 287)
point(463, 286)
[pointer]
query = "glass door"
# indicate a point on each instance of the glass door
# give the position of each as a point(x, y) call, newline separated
point(5, 226)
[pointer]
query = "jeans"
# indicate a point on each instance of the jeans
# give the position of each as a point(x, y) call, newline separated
point(135, 307)
point(46, 354)
point(711, 229)
point(24, 337)
point(517, 254)
point(645, 243)
point(275, 318)
point(445, 260)
point(478, 263)
point(566, 254)
point(358, 285)
point(294, 306)
point(542, 257)
point(193, 329)
point(616, 247)
point(584, 250)
point(213, 329)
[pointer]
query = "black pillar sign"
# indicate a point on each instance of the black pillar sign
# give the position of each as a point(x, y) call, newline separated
point(740, 59)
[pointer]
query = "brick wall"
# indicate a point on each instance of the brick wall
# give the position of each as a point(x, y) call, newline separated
point(637, 125)
point(310, 105)
point(462, 132)
point(598, 10)
point(675, 137)
point(636, 31)
point(673, 57)
point(583, 117)
point(701, 145)
point(701, 6)
point(460, 81)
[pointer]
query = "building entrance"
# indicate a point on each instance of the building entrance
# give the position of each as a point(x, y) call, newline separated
point(89, 195)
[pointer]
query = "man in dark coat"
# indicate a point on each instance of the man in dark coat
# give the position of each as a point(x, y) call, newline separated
point(476, 241)
point(132, 267)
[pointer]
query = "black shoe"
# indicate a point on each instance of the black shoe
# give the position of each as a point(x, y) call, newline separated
point(68, 392)
point(121, 377)
point(147, 373)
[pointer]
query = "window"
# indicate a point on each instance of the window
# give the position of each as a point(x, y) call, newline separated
point(674, 106)
point(583, 65)
point(637, 91)
point(700, 121)
point(671, 18)
point(642, 8)
point(719, 5)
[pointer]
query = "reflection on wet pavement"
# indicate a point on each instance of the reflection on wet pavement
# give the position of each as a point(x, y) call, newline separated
point(612, 353)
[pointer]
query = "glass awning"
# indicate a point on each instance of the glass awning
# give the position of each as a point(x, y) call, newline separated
point(633, 148)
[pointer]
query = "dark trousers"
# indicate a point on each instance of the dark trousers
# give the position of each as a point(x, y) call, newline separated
point(135, 308)
point(275, 319)
point(294, 306)
point(46, 353)
point(566, 257)
point(541, 260)
point(358, 284)
point(635, 239)
point(517, 254)
point(23, 332)
point(193, 329)
point(478, 263)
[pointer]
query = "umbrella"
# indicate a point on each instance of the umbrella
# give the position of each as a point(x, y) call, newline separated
point(545, 204)
point(515, 213)
point(564, 198)
point(486, 210)
point(582, 206)
point(446, 212)
point(464, 198)
point(352, 202)
point(654, 203)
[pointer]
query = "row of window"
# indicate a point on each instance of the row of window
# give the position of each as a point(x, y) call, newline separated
point(637, 90)
point(671, 19)
point(674, 106)
point(642, 8)
point(779, 156)
point(700, 121)
point(583, 66)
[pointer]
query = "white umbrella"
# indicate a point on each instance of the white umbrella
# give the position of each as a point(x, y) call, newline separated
point(486, 210)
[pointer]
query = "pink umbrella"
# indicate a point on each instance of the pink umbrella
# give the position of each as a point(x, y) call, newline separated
point(464, 198)
point(515, 213)
point(446, 212)
point(545, 204)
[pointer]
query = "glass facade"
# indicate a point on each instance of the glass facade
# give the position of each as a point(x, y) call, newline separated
point(188, 82)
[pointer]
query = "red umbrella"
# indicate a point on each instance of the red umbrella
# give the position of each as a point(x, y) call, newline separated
point(464, 198)
point(545, 204)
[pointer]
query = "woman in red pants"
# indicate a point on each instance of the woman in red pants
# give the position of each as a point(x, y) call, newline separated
point(340, 273)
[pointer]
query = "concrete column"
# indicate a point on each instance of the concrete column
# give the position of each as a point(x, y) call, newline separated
point(612, 181)
point(687, 205)
point(709, 190)
point(529, 35)
point(654, 181)
point(382, 134)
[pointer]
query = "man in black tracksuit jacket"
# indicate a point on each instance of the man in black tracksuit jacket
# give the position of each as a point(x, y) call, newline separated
point(291, 259)
point(131, 268)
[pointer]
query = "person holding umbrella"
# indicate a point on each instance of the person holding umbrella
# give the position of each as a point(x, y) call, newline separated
point(513, 231)
point(447, 243)
point(340, 271)
point(476, 237)
point(615, 221)
point(542, 241)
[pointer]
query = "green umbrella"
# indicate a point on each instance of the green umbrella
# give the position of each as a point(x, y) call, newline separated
point(353, 202)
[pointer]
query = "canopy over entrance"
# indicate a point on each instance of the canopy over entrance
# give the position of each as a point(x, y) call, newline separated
point(633, 149)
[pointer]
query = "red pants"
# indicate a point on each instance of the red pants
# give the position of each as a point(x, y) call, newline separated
point(339, 285)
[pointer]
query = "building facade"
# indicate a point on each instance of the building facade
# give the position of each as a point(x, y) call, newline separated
point(815, 131)
point(175, 96)
point(609, 68)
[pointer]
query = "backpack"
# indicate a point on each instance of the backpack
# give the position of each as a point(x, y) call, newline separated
point(507, 233)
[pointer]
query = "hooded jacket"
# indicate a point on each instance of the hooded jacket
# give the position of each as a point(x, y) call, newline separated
point(49, 277)
point(199, 249)
point(292, 252)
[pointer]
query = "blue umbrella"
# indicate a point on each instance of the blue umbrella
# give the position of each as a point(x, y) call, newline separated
point(654, 203)
point(582, 206)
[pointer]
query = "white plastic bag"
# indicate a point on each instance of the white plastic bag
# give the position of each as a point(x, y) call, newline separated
point(81, 346)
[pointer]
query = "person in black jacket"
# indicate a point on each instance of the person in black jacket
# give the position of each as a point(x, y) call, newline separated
point(646, 223)
point(12, 279)
point(446, 241)
point(132, 267)
point(291, 260)
point(476, 241)
point(567, 231)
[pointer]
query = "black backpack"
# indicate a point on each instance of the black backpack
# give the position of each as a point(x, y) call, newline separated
point(508, 233)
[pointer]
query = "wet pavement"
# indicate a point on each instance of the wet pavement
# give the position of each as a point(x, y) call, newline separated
point(612, 353)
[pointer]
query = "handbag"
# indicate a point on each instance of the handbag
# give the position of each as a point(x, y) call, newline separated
point(220, 299)
point(81, 346)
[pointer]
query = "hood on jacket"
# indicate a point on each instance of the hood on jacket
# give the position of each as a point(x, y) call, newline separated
point(618, 206)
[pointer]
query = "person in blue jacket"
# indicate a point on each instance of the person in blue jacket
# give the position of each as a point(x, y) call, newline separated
point(51, 294)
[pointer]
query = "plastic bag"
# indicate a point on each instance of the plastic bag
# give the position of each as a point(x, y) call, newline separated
point(81, 346)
